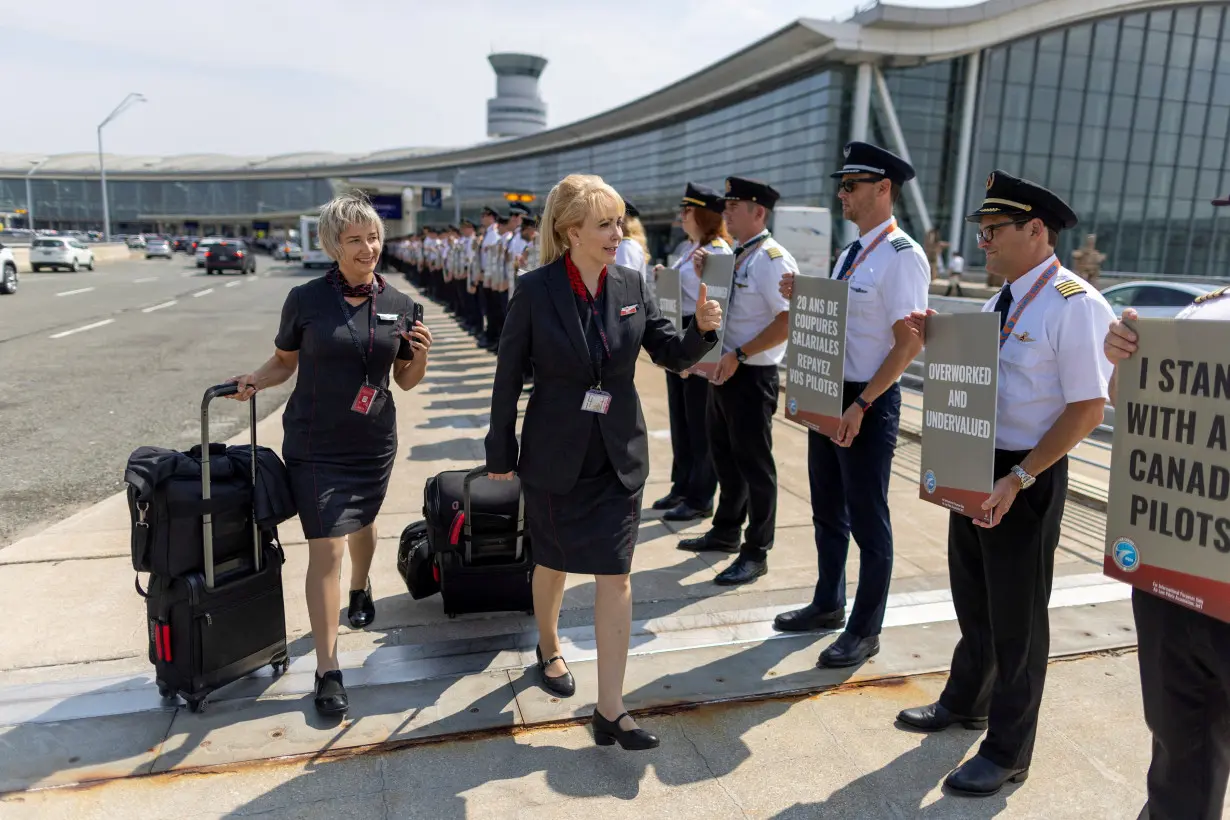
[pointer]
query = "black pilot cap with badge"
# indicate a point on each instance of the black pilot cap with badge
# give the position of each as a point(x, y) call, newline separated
point(741, 189)
point(631, 210)
point(702, 196)
point(1022, 200)
point(489, 211)
point(518, 209)
point(865, 158)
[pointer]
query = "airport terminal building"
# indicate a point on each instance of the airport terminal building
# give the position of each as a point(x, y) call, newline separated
point(1121, 106)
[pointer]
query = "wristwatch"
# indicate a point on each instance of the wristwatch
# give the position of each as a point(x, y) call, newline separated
point(1026, 478)
point(740, 355)
point(862, 403)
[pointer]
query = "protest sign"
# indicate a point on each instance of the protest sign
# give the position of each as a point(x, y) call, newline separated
point(718, 276)
point(1168, 520)
point(669, 296)
point(816, 353)
point(959, 401)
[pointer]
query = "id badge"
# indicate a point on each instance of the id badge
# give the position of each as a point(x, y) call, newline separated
point(363, 401)
point(596, 401)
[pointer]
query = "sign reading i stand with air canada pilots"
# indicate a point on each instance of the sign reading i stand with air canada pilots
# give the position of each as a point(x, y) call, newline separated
point(669, 296)
point(718, 275)
point(1168, 516)
point(816, 353)
point(959, 402)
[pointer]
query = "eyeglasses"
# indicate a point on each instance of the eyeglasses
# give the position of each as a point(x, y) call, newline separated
point(987, 234)
point(848, 185)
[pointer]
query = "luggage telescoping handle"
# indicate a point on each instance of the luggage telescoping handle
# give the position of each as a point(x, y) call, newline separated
point(481, 472)
point(218, 391)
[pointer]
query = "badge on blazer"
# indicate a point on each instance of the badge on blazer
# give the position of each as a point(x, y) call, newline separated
point(627, 310)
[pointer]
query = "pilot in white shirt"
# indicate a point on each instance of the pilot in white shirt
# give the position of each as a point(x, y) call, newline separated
point(1052, 391)
point(630, 253)
point(888, 276)
point(743, 394)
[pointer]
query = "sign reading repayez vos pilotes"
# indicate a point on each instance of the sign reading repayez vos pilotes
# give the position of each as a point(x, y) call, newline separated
point(1168, 517)
point(816, 353)
point(959, 400)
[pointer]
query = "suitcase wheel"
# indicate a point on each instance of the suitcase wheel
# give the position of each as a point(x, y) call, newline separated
point(196, 706)
point(280, 667)
point(165, 691)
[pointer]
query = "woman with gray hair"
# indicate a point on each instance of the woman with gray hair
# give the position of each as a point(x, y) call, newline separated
point(345, 332)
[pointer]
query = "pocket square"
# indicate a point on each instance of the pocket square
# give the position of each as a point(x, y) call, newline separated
point(627, 310)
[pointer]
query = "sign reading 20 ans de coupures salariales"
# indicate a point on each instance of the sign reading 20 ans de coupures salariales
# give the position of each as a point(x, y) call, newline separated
point(1168, 514)
point(959, 401)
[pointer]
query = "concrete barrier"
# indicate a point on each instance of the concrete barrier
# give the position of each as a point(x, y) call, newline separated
point(103, 254)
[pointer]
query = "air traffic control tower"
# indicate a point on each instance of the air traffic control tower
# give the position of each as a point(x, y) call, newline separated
point(516, 110)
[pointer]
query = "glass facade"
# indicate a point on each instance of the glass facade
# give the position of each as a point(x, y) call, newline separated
point(1126, 118)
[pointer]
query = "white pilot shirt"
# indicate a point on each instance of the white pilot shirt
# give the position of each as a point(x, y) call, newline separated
point(1053, 357)
point(1214, 306)
point(630, 254)
point(891, 282)
point(515, 246)
point(689, 279)
point(486, 259)
point(755, 299)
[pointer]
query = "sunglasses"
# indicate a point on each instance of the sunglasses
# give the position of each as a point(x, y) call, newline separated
point(848, 185)
point(987, 234)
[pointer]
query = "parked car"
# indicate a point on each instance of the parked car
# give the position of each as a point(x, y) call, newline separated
point(8, 271)
point(230, 254)
point(203, 245)
point(158, 247)
point(58, 252)
point(1154, 298)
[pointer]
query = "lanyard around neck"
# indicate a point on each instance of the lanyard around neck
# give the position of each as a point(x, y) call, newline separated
point(875, 243)
point(1042, 281)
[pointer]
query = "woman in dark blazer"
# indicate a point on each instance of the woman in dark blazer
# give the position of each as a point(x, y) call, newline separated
point(581, 321)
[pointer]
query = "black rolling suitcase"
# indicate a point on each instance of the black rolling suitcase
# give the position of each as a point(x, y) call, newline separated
point(482, 554)
point(212, 627)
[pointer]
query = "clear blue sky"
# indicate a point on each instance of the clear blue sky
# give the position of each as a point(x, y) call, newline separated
point(270, 76)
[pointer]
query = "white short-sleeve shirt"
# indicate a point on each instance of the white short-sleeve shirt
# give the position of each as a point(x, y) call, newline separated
point(689, 279)
point(486, 254)
point(755, 299)
point(1213, 306)
point(1053, 357)
point(630, 254)
point(886, 286)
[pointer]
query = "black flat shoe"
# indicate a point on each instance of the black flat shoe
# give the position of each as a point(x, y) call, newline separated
point(808, 619)
point(608, 733)
point(979, 777)
point(934, 717)
point(331, 698)
point(707, 543)
point(743, 570)
point(668, 501)
point(686, 512)
point(849, 650)
point(563, 685)
point(362, 608)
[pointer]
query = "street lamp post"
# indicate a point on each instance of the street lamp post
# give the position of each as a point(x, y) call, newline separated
point(102, 170)
point(29, 197)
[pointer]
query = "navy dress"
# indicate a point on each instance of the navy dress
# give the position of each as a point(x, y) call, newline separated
point(339, 460)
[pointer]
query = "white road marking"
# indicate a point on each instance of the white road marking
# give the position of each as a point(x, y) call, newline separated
point(202, 292)
point(71, 292)
point(233, 284)
point(64, 333)
point(188, 273)
point(158, 307)
point(145, 279)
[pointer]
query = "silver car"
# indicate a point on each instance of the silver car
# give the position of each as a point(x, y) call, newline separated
point(158, 247)
point(1154, 298)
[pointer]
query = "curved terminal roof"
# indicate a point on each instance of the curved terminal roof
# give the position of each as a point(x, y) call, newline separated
point(884, 33)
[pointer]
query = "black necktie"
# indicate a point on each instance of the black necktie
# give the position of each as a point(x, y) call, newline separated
point(1004, 303)
point(851, 255)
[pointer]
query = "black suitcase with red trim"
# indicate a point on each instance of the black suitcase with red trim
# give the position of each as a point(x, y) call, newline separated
point(210, 628)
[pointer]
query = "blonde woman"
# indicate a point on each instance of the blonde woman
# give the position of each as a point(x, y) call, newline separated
point(347, 333)
point(580, 322)
point(634, 249)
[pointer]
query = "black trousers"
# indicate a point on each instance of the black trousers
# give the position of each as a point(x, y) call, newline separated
point(849, 494)
point(692, 473)
point(476, 309)
point(1185, 684)
point(740, 419)
point(1001, 585)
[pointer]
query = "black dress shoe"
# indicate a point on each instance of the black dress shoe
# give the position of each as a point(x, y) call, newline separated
point(849, 650)
point(933, 717)
point(808, 619)
point(563, 685)
point(686, 512)
point(607, 733)
point(707, 543)
point(362, 609)
point(979, 777)
point(668, 501)
point(331, 698)
point(743, 570)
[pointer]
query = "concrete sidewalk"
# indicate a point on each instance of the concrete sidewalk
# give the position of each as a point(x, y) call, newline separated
point(83, 696)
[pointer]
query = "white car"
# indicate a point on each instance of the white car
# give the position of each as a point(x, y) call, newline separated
point(60, 252)
point(203, 246)
point(1154, 298)
point(8, 271)
point(158, 247)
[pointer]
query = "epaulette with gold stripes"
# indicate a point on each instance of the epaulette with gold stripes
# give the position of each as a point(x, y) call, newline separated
point(902, 243)
point(1211, 295)
point(1069, 287)
point(774, 252)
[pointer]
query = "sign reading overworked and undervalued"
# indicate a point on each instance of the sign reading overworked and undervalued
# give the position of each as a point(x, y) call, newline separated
point(666, 286)
point(959, 401)
point(1168, 520)
point(816, 353)
point(718, 276)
